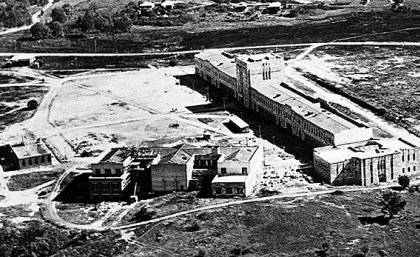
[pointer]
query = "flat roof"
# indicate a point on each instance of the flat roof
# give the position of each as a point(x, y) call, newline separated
point(178, 157)
point(31, 150)
point(253, 58)
point(242, 154)
point(238, 121)
point(308, 110)
point(220, 60)
point(230, 179)
point(364, 149)
point(116, 155)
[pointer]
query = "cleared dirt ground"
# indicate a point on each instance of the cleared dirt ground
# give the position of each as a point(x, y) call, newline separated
point(125, 108)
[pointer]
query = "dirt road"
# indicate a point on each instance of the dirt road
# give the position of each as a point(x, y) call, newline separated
point(35, 18)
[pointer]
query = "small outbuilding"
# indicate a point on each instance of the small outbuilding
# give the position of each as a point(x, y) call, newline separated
point(25, 156)
point(237, 125)
point(147, 5)
point(21, 60)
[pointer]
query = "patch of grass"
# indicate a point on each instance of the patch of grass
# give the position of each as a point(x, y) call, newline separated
point(31, 180)
point(16, 111)
point(298, 229)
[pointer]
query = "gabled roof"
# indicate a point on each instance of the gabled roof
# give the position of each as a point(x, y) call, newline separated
point(241, 154)
point(32, 150)
point(179, 157)
point(116, 155)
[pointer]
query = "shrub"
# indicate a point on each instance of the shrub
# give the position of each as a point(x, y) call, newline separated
point(391, 204)
point(173, 62)
point(32, 105)
point(404, 181)
point(193, 227)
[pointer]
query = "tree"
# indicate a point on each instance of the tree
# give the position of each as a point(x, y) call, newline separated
point(404, 181)
point(67, 9)
point(391, 204)
point(32, 104)
point(57, 29)
point(122, 23)
point(40, 31)
point(86, 22)
point(103, 23)
point(58, 14)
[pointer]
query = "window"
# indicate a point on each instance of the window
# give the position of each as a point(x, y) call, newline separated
point(414, 168)
point(408, 169)
point(107, 171)
point(218, 190)
point(23, 163)
point(49, 158)
point(228, 190)
point(223, 171)
point(408, 157)
point(240, 191)
point(244, 170)
point(36, 160)
point(30, 162)
point(113, 171)
point(402, 157)
point(403, 170)
point(42, 159)
point(414, 156)
point(102, 172)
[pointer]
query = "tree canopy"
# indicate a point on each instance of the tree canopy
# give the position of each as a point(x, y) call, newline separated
point(391, 204)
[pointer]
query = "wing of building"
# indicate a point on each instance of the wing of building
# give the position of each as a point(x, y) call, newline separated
point(345, 151)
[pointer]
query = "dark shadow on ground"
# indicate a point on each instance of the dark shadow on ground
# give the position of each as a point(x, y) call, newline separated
point(282, 138)
point(380, 220)
point(77, 191)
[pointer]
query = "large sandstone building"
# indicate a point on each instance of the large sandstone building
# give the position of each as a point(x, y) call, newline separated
point(345, 151)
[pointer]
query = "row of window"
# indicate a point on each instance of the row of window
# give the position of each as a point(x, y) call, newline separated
point(307, 126)
point(107, 171)
point(105, 186)
point(408, 169)
point(36, 161)
point(205, 163)
point(408, 157)
point(229, 190)
point(223, 170)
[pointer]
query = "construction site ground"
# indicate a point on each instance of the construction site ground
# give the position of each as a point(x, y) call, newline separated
point(384, 77)
point(95, 110)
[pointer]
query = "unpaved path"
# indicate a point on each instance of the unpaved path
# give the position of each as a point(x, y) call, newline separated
point(35, 18)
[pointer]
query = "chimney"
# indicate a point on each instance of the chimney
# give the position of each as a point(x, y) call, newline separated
point(215, 150)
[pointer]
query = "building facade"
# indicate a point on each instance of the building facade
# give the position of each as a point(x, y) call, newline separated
point(19, 157)
point(122, 173)
point(110, 176)
point(237, 171)
point(262, 86)
point(367, 163)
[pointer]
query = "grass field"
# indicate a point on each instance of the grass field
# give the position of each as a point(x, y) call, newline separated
point(292, 228)
point(27, 181)
point(359, 26)
point(385, 77)
point(13, 103)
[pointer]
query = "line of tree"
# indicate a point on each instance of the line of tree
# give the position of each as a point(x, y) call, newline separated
point(15, 13)
point(54, 29)
point(95, 21)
